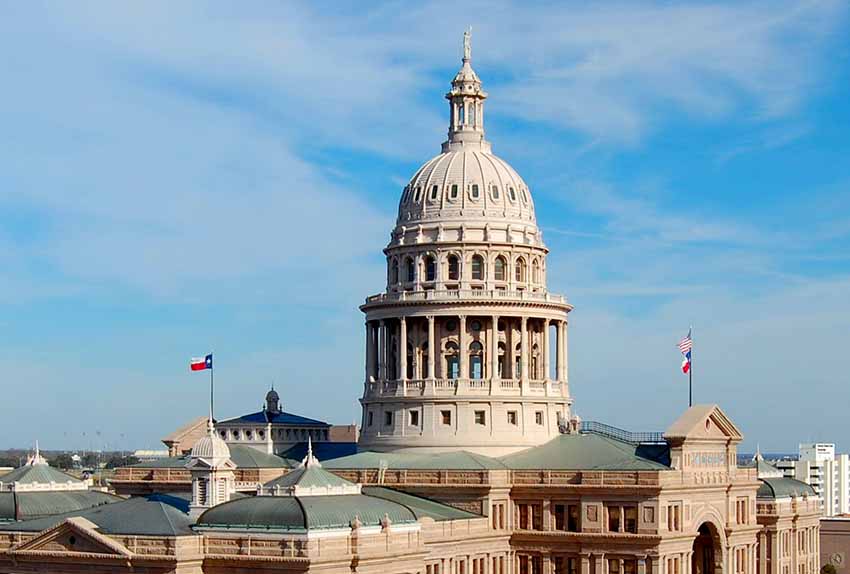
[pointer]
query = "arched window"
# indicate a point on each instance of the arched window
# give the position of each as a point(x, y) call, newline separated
point(500, 269)
point(495, 190)
point(453, 193)
point(454, 268)
point(524, 195)
point(410, 362)
point(430, 268)
point(406, 195)
point(477, 268)
point(474, 191)
point(535, 272)
point(519, 270)
point(476, 360)
point(452, 360)
point(434, 190)
point(503, 374)
point(518, 361)
point(409, 270)
point(461, 114)
point(418, 192)
point(472, 114)
point(394, 272)
point(535, 362)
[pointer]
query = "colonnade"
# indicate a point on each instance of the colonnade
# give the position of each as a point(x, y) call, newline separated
point(386, 359)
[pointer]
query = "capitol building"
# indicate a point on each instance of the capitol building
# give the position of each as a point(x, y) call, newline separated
point(469, 460)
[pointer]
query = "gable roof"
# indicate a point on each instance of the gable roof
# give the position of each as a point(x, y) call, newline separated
point(38, 473)
point(703, 422)
point(243, 456)
point(586, 451)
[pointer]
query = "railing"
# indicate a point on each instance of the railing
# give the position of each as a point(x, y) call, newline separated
point(480, 387)
point(620, 434)
point(461, 294)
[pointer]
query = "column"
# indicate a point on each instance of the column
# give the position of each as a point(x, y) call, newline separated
point(402, 349)
point(566, 352)
point(559, 352)
point(494, 352)
point(462, 344)
point(523, 353)
point(432, 350)
point(382, 350)
point(545, 349)
point(369, 371)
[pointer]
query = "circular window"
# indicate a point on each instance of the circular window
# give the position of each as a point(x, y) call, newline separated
point(223, 434)
point(72, 540)
point(451, 325)
point(501, 325)
point(475, 326)
point(261, 434)
point(248, 435)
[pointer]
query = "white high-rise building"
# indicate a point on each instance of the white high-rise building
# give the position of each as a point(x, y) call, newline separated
point(828, 473)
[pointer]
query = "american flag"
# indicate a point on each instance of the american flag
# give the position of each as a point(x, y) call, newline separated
point(686, 344)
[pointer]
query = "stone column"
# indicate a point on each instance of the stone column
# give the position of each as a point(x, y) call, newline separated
point(382, 350)
point(402, 350)
point(524, 352)
point(463, 359)
point(432, 351)
point(545, 349)
point(370, 350)
point(566, 352)
point(559, 352)
point(494, 353)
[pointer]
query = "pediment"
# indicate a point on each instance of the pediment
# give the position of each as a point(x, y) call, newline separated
point(74, 535)
point(703, 423)
point(205, 464)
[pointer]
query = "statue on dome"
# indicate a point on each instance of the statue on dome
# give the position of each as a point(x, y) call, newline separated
point(467, 44)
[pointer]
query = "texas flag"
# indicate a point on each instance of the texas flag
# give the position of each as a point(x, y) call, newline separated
point(686, 363)
point(685, 346)
point(200, 364)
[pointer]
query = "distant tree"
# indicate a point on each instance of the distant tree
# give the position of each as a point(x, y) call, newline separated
point(62, 461)
point(117, 461)
point(90, 460)
point(828, 569)
point(9, 461)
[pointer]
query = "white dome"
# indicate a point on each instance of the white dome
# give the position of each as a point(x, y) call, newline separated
point(211, 448)
point(466, 184)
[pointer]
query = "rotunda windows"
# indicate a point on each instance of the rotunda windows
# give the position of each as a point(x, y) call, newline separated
point(476, 360)
point(494, 190)
point(434, 191)
point(453, 192)
point(475, 326)
point(454, 268)
point(519, 270)
point(409, 270)
point(475, 191)
point(430, 268)
point(394, 272)
point(512, 193)
point(535, 272)
point(452, 359)
point(524, 195)
point(477, 268)
point(500, 269)
point(451, 325)
point(418, 193)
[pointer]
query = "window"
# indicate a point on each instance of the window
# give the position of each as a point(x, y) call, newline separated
point(499, 269)
point(388, 418)
point(495, 191)
point(426, 371)
point(454, 268)
point(573, 516)
point(446, 417)
point(461, 114)
point(741, 511)
point(538, 418)
point(512, 418)
point(430, 269)
point(480, 418)
point(452, 360)
point(413, 418)
point(512, 193)
point(613, 518)
point(418, 193)
point(613, 566)
point(394, 272)
point(475, 326)
point(630, 519)
point(674, 517)
point(519, 271)
point(629, 566)
point(474, 191)
point(476, 360)
point(369, 419)
point(477, 268)
point(248, 434)
point(409, 270)
point(524, 196)
point(406, 195)
point(434, 191)
point(453, 193)
point(535, 272)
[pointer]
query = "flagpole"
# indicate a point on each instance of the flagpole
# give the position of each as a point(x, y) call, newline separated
point(691, 370)
point(212, 368)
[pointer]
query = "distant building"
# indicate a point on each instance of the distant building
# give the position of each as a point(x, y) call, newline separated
point(827, 473)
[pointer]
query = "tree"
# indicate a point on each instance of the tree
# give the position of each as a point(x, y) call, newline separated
point(117, 461)
point(90, 460)
point(828, 569)
point(63, 461)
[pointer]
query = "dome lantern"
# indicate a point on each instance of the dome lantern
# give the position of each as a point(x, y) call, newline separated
point(466, 106)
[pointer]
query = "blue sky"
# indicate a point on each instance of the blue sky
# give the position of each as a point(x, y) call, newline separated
point(184, 177)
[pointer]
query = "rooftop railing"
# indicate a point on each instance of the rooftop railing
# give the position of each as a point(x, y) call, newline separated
point(621, 434)
point(466, 294)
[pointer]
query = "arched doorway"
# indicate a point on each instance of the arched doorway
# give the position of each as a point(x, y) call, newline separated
point(707, 557)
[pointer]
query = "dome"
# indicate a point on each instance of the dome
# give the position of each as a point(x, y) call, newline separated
point(466, 182)
point(211, 448)
point(272, 396)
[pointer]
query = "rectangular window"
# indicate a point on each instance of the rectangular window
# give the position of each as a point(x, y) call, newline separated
point(524, 516)
point(630, 519)
point(629, 566)
point(614, 566)
point(512, 418)
point(613, 518)
point(446, 417)
point(454, 191)
point(475, 190)
point(369, 418)
point(434, 191)
point(573, 514)
point(538, 417)
point(388, 418)
point(480, 418)
point(414, 418)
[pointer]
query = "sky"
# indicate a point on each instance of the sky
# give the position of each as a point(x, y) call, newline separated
point(180, 178)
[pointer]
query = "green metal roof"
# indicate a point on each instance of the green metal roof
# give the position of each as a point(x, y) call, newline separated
point(307, 477)
point(588, 451)
point(156, 515)
point(299, 514)
point(38, 473)
point(456, 460)
point(29, 505)
point(241, 455)
point(783, 488)
point(420, 507)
